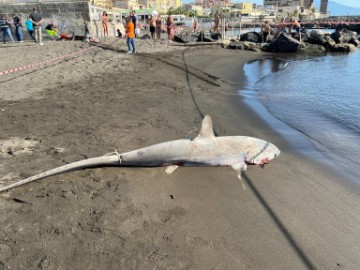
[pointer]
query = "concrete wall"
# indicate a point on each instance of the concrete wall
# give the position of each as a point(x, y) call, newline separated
point(69, 16)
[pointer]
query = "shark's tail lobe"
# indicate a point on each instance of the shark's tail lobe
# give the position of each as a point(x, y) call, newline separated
point(111, 159)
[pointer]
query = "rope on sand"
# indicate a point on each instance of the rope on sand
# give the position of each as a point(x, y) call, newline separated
point(94, 46)
point(44, 62)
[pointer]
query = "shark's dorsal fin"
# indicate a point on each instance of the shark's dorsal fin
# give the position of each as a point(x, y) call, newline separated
point(207, 130)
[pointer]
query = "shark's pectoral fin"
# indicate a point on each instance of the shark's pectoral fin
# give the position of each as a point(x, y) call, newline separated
point(170, 169)
point(241, 181)
point(239, 167)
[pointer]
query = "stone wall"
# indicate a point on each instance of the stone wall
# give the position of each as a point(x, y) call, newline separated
point(69, 16)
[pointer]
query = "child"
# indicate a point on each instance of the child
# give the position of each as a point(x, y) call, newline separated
point(51, 30)
point(119, 33)
point(30, 28)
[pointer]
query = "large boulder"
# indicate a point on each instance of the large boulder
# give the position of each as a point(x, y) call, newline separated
point(146, 36)
point(215, 36)
point(251, 46)
point(343, 47)
point(318, 37)
point(313, 49)
point(208, 37)
point(185, 37)
point(235, 45)
point(244, 45)
point(344, 36)
point(253, 37)
point(284, 43)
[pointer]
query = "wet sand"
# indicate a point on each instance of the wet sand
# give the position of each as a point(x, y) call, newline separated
point(295, 214)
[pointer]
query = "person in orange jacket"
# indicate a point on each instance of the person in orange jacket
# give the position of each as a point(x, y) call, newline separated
point(130, 35)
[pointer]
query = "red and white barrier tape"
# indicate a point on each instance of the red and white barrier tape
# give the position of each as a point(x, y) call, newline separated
point(45, 62)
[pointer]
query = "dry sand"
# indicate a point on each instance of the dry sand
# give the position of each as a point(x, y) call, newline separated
point(296, 214)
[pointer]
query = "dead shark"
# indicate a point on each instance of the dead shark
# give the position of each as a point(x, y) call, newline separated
point(205, 150)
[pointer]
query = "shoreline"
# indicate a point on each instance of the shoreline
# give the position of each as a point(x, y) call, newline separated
point(300, 141)
point(295, 140)
point(141, 218)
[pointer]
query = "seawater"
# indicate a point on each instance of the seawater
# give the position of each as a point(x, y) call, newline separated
point(317, 96)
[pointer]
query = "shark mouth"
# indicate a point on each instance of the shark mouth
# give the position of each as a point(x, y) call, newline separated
point(264, 162)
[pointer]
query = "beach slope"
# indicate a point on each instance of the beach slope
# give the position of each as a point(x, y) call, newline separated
point(295, 214)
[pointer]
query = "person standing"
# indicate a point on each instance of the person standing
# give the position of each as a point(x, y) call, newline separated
point(158, 27)
point(138, 30)
point(133, 19)
point(281, 28)
point(216, 21)
point(151, 23)
point(37, 20)
point(265, 28)
point(130, 35)
point(5, 29)
point(170, 28)
point(195, 25)
point(104, 21)
point(18, 28)
point(30, 27)
point(297, 28)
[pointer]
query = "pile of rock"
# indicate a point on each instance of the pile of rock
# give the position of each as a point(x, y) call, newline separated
point(351, 23)
point(190, 37)
point(314, 41)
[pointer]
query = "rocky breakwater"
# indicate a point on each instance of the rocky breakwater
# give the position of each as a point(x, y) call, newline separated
point(313, 41)
point(351, 23)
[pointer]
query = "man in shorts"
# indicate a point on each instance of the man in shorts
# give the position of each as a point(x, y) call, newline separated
point(152, 27)
point(297, 28)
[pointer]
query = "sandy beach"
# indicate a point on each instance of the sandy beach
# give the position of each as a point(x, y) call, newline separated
point(295, 214)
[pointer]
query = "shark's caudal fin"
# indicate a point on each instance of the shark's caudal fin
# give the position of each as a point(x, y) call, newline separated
point(207, 130)
point(110, 159)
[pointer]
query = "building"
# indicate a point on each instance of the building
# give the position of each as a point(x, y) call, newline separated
point(244, 8)
point(102, 3)
point(126, 4)
point(323, 6)
point(306, 3)
point(206, 4)
point(164, 5)
point(159, 5)
point(281, 3)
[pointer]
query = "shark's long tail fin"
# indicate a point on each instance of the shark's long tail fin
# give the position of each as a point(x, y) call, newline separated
point(111, 159)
